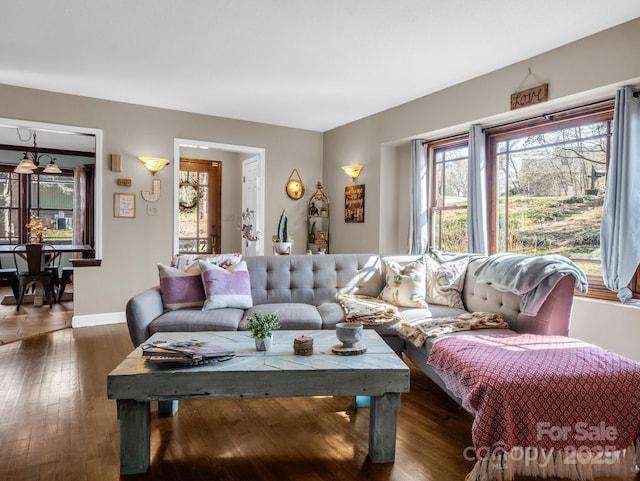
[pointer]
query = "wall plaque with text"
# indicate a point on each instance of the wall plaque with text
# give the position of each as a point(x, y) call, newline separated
point(532, 96)
point(354, 203)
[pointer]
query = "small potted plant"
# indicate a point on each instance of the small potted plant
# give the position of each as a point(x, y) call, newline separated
point(282, 243)
point(261, 327)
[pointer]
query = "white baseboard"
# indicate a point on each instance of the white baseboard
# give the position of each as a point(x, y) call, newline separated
point(98, 319)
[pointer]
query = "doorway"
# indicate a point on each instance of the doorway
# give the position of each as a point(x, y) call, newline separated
point(231, 213)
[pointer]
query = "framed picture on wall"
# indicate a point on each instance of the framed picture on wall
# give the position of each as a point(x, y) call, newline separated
point(124, 205)
point(354, 203)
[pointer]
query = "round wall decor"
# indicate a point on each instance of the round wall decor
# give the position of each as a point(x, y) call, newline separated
point(294, 186)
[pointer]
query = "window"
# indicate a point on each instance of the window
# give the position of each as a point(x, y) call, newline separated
point(546, 187)
point(450, 160)
point(48, 196)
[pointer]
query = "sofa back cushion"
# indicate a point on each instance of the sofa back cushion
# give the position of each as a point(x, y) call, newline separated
point(313, 279)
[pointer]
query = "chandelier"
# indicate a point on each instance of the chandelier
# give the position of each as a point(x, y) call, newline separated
point(31, 160)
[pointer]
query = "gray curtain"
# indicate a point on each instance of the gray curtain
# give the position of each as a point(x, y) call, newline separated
point(620, 229)
point(419, 215)
point(477, 192)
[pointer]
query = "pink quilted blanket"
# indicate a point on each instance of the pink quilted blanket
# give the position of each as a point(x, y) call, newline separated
point(544, 405)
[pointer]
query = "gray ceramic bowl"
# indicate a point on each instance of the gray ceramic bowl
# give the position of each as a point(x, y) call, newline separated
point(349, 333)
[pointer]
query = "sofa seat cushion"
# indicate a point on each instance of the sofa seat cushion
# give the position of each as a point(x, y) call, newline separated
point(190, 320)
point(291, 315)
point(433, 311)
point(331, 314)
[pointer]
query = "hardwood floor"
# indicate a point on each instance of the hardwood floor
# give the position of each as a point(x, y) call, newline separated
point(32, 321)
point(56, 423)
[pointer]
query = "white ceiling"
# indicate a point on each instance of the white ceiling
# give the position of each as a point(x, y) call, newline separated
point(311, 64)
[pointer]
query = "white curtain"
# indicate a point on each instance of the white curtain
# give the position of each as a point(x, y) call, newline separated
point(620, 229)
point(79, 206)
point(419, 215)
point(477, 192)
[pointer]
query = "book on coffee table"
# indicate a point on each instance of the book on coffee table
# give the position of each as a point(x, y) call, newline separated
point(185, 352)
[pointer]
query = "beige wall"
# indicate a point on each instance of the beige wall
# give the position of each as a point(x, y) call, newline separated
point(132, 247)
point(584, 71)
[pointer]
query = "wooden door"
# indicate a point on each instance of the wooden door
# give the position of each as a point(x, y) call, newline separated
point(199, 212)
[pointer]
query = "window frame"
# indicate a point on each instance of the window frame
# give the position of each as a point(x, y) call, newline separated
point(453, 142)
point(24, 207)
point(602, 111)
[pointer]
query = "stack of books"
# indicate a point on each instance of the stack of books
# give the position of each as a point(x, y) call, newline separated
point(185, 352)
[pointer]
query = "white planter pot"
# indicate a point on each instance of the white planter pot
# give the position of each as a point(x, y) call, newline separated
point(264, 344)
point(282, 248)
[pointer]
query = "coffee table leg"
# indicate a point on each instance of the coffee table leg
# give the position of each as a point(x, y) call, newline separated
point(383, 420)
point(168, 408)
point(135, 436)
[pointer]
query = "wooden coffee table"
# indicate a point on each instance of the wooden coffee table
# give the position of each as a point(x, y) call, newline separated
point(379, 373)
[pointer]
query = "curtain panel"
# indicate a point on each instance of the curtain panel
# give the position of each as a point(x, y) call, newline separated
point(79, 207)
point(419, 215)
point(477, 192)
point(620, 228)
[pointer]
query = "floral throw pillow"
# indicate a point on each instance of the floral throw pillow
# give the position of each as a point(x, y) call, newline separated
point(228, 287)
point(181, 288)
point(445, 282)
point(404, 285)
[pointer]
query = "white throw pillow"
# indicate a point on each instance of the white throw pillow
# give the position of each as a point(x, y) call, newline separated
point(445, 282)
point(404, 285)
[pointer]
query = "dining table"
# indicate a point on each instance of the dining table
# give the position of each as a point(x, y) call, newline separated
point(51, 252)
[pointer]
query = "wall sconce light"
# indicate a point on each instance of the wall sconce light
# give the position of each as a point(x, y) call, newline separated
point(154, 164)
point(352, 171)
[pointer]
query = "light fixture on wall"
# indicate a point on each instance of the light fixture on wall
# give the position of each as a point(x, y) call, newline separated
point(31, 160)
point(352, 171)
point(154, 164)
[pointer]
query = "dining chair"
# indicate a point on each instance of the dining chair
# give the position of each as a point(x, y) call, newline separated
point(67, 275)
point(35, 274)
point(11, 276)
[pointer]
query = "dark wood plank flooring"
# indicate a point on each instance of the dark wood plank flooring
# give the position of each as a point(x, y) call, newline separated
point(56, 423)
point(32, 321)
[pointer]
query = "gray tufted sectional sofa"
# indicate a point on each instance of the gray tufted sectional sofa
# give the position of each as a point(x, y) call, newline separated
point(303, 289)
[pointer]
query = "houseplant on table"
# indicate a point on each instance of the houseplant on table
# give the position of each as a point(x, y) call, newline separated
point(261, 326)
point(36, 229)
point(282, 243)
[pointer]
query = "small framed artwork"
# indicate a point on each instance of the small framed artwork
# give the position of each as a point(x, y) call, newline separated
point(124, 205)
point(323, 237)
point(354, 203)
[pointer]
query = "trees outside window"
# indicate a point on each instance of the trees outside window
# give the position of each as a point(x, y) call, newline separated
point(450, 160)
point(50, 197)
point(550, 189)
